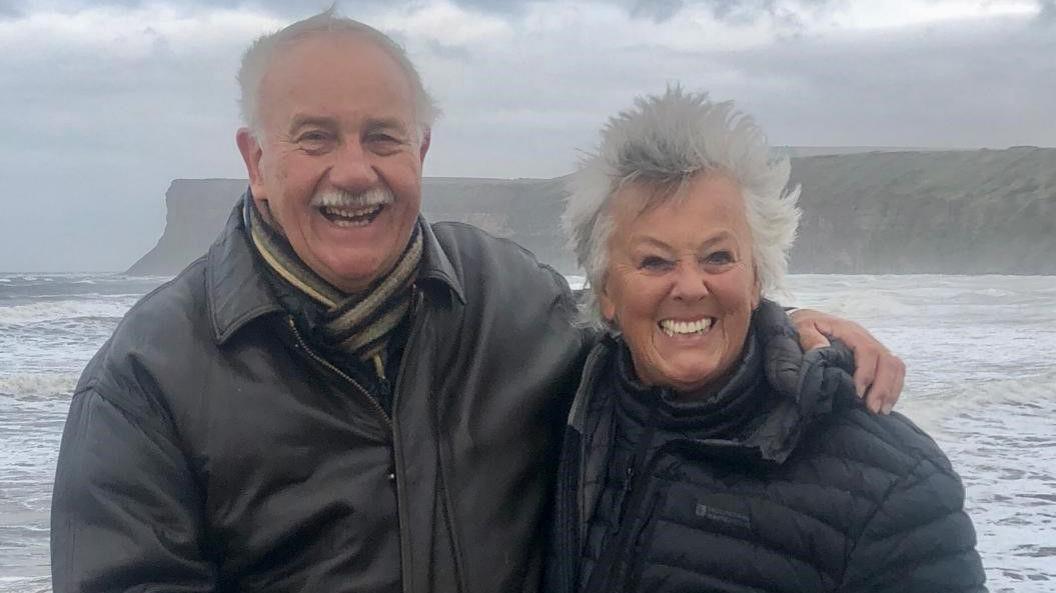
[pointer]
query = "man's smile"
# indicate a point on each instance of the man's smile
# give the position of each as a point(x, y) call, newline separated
point(351, 217)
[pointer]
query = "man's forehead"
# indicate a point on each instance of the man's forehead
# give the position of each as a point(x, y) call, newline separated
point(328, 58)
point(332, 72)
point(339, 46)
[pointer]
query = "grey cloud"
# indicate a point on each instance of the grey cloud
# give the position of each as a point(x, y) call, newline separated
point(955, 86)
point(1047, 12)
point(445, 51)
point(98, 139)
point(657, 10)
point(10, 9)
point(291, 9)
point(500, 6)
point(783, 11)
point(732, 11)
point(965, 87)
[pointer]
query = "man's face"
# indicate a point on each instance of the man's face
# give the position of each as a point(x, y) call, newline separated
point(339, 161)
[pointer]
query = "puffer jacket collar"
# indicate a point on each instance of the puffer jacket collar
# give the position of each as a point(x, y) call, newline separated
point(237, 293)
point(807, 385)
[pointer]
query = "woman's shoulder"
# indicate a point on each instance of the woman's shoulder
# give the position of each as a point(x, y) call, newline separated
point(890, 445)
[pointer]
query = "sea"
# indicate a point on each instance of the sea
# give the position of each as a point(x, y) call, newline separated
point(980, 352)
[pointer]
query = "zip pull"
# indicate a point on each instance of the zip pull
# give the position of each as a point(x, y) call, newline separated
point(628, 475)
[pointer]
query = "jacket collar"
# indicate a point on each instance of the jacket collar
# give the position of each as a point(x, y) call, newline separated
point(805, 387)
point(237, 293)
point(436, 268)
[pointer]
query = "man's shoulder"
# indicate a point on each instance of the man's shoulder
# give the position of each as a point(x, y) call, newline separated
point(176, 302)
point(484, 260)
point(163, 323)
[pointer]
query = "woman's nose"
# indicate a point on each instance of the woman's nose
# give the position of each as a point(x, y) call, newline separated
point(690, 284)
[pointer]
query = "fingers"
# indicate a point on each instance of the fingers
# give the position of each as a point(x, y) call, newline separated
point(879, 376)
point(810, 338)
point(886, 386)
point(865, 362)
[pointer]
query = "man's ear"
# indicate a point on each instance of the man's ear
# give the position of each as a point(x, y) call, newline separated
point(427, 137)
point(249, 146)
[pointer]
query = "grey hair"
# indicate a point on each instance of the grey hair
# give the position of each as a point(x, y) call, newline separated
point(259, 55)
point(664, 141)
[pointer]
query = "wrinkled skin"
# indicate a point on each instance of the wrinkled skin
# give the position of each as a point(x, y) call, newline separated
point(337, 114)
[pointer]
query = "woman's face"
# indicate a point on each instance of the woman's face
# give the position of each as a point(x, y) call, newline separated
point(681, 284)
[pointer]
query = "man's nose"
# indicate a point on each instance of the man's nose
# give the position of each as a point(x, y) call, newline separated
point(352, 169)
point(691, 284)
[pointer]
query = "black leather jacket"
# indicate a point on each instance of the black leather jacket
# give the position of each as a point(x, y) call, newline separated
point(208, 448)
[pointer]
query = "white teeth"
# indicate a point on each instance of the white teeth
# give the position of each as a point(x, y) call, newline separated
point(672, 327)
point(351, 216)
point(376, 196)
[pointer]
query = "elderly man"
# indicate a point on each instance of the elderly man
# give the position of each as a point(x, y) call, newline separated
point(338, 396)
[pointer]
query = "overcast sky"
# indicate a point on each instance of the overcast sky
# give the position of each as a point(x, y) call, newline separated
point(102, 104)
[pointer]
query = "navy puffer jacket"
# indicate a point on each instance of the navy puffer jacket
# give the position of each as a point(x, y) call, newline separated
point(810, 492)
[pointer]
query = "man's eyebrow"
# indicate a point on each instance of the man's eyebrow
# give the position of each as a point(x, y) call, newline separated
point(301, 121)
point(386, 123)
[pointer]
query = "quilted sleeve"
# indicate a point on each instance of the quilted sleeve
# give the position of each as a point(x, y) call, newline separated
point(919, 539)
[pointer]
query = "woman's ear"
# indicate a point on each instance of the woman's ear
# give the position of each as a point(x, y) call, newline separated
point(605, 303)
point(757, 288)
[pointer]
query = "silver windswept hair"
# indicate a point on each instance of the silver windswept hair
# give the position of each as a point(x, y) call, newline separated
point(259, 55)
point(664, 141)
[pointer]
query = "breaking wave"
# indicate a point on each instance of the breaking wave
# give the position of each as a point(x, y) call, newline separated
point(38, 385)
point(66, 309)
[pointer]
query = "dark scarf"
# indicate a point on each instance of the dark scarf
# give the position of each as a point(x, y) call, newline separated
point(359, 325)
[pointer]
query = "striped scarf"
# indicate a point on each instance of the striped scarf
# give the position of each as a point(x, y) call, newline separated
point(358, 324)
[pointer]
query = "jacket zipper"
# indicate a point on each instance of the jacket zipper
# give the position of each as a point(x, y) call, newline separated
point(416, 298)
point(373, 404)
point(416, 323)
point(620, 566)
point(633, 492)
point(445, 503)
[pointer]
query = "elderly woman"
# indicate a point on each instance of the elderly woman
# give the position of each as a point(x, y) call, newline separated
point(705, 450)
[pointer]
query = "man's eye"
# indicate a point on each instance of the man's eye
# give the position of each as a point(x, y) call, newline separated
point(384, 141)
point(313, 138)
point(655, 263)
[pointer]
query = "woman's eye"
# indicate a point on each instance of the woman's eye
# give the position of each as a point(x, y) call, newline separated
point(654, 263)
point(719, 258)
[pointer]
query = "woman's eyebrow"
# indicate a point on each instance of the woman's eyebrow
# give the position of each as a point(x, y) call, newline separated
point(717, 237)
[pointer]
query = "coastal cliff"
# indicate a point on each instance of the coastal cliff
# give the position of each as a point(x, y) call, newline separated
point(945, 212)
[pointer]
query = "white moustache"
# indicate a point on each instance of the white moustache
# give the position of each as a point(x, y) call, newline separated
point(335, 198)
